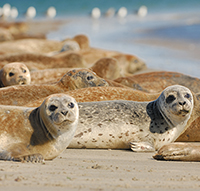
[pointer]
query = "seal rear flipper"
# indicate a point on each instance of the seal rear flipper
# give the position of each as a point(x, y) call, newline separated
point(179, 152)
point(19, 152)
point(141, 146)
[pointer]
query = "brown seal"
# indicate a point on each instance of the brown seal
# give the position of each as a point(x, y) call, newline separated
point(30, 46)
point(15, 73)
point(82, 40)
point(34, 134)
point(107, 68)
point(40, 61)
point(157, 81)
point(128, 64)
point(94, 94)
point(74, 79)
point(179, 152)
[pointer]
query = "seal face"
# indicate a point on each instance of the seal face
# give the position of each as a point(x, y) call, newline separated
point(143, 126)
point(58, 113)
point(15, 73)
point(34, 134)
point(82, 78)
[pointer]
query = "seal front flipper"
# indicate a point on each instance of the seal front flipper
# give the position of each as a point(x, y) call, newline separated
point(34, 158)
point(19, 152)
point(179, 152)
point(141, 146)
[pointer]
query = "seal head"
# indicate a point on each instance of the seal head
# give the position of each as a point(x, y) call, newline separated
point(81, 78)
point(58, 113)
point(15, 73)
point(169, 114)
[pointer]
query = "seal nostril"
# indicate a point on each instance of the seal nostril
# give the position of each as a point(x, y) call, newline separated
point(64, 112)
point(182, 103)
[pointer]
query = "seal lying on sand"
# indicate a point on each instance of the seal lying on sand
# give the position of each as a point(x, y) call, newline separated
point(179, 152)
point(107, 68)
point(146, 126)
point(153, 82)
point(30, 45)
point(34, 134)
point(74, 79)
point(14, 74)
point(39, 61)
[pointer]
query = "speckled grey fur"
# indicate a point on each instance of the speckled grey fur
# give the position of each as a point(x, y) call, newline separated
point(114, 124)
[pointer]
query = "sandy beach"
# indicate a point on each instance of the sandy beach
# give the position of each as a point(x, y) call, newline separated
point(81, 169)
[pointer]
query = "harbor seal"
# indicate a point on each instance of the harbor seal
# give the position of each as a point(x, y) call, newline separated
point(82, 40)
point(179, 152)
point(153, 82)
point(107, 68)
point(128, 64)
point(35, 61)
point(74, 79)
point(30, 46)
point(14, 74)
point(141, 126)
point(33, 134)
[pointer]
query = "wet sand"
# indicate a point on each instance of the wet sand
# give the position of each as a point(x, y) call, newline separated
point(81, 169)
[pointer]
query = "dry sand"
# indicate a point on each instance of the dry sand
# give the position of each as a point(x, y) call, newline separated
point(82, 169)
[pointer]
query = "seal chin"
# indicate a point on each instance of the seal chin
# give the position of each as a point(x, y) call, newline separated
point(64, 121)
point(181, 113)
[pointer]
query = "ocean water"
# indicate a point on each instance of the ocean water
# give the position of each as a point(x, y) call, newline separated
point(168, 38)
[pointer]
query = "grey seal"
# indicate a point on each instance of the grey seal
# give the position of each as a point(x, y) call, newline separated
point(141, 126)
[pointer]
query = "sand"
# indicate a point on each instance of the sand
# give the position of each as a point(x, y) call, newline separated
point(82, 169)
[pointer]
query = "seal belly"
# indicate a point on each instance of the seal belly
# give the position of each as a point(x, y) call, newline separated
point(110, 124)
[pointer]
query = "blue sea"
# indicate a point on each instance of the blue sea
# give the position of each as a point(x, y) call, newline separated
point(168, 38)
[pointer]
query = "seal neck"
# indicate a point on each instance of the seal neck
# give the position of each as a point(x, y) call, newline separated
point(169, 122)
point(1, 83)
point(43, 126)
point(64, 82)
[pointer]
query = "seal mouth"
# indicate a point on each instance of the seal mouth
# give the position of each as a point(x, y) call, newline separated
point(183, 112)
point(66, 121)
point(22, 81)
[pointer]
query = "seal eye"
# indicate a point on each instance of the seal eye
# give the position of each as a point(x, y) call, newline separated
point(187, 95)
point(90, 77)
point(52, 108)
point(23, 70)
point(71, 105)
point(170, 99)
point(11, 74)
